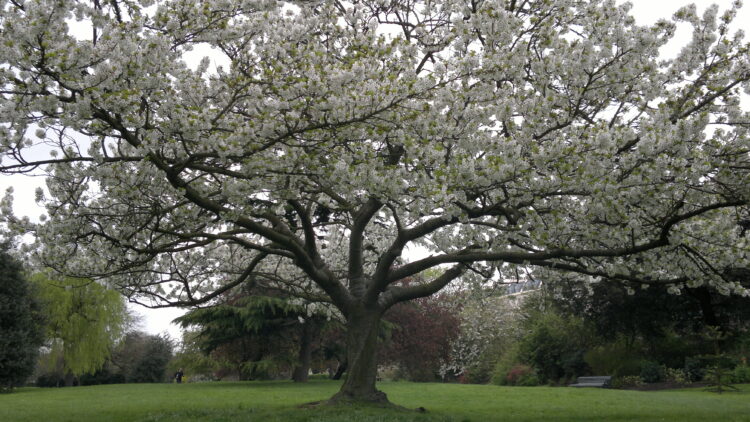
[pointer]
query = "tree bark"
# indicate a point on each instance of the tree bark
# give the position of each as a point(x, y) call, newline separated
point(361, 349)
point(703, 295)
point(302, 370)
point(340, 370)
point(69, 379)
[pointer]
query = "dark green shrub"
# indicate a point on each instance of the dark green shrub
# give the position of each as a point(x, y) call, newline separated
point(530, 380)
point(484, 369)
point(573, 363)
point(616, 359)
point(652, 372)
point(102, 376)
point(481, 372)
point(504, 363)
point(672, 348)
point(50, 380)
point(628, 381)
point(695, 368)
point(522, 375)
point(741, 375)
point(555, 346)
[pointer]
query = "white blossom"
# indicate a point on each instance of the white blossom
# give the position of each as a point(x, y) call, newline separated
point(331, 139)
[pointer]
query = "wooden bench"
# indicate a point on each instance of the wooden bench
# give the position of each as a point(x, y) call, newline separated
point(598, 382)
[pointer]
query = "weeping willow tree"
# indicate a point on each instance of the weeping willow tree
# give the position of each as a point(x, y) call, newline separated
point(84, 321)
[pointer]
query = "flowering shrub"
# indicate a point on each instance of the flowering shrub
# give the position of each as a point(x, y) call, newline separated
point(677, 376)
point(488, 326)
point(522, 375)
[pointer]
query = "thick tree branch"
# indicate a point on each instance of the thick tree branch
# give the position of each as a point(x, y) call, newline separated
point(361, 218)
point(395, 294)
point(307, 227)
point(469, 255)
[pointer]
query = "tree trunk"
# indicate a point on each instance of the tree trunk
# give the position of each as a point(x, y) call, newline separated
point(703, 295)
point(240, 373)
point(340, 370)
point(361, 349)
point(302, 369)
point(69, 379)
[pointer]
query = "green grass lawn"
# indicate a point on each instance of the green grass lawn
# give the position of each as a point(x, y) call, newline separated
point(278, 401)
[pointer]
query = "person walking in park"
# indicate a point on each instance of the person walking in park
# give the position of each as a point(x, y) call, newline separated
point(178, 376)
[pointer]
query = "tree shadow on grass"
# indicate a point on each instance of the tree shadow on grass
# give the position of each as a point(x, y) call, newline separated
point(265, 384)
point(320, 414)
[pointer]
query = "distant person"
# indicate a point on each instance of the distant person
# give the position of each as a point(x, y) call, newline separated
point(178, 376)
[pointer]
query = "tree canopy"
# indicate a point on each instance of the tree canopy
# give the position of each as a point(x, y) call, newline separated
point(323, 140)
point(253, 332)
point(141, 357)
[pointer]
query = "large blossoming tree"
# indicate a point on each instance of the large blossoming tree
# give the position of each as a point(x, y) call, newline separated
point(321, 141)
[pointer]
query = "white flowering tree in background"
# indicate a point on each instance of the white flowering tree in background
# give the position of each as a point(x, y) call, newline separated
point(496, 135)
point(487, 324)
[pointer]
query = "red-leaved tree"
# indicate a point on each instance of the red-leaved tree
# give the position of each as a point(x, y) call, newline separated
point(420, 337)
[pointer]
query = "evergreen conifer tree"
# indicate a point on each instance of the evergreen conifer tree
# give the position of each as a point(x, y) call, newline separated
point(21, 332)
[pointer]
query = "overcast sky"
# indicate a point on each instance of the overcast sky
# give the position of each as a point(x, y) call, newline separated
point(158, 321)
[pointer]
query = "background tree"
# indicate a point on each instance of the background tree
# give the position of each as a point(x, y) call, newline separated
point(259, 334)
point(489, 325)
point(555, 346)
point(420, 337)
point(333, 345)
point(141, 357)
point(652, 322)
point(497, 135)
point(196, 364)
point(138, 357)
point(21, 329)
point(84, 322)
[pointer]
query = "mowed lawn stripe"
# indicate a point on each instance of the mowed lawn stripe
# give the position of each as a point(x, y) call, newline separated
point(280, 400)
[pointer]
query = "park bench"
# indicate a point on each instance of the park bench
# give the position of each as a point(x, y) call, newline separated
point(599, 382)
